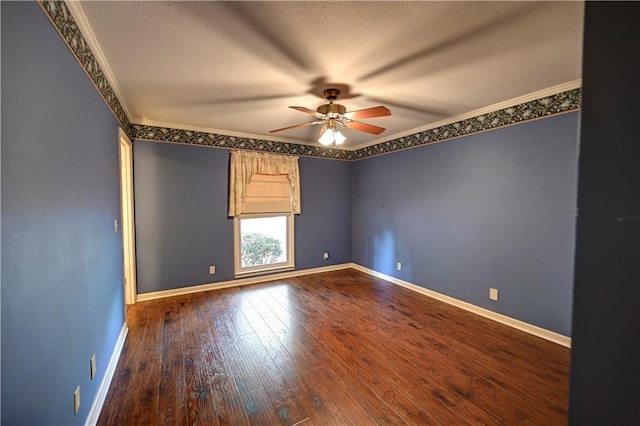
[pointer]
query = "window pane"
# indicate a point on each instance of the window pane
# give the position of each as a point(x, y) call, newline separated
point(263, 241)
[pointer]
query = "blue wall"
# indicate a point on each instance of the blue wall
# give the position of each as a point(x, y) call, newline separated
point(325, 222)
point(495, 209)
point(61, 259)
point(182, 227)
point(489, 210)
point(181, 216)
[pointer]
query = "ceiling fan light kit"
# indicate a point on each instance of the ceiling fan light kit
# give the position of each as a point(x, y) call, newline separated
point(331, 136)
point(332, 114)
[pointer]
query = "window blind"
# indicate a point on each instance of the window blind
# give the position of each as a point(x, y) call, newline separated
point(268, 194)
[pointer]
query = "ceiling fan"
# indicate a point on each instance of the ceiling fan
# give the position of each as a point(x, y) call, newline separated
point(331, 115)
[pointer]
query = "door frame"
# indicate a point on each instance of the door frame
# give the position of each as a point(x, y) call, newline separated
point(127, 217)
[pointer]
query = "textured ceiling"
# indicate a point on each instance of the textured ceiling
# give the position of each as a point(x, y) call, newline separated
point(234, 67)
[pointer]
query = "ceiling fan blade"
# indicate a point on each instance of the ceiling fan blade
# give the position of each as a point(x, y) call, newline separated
point(378, 111)
point(364, 127)
point(311, 123)
point(304, 109)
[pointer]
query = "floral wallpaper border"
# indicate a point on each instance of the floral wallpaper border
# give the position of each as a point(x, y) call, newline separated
point(559, 103)
point(166, 134)
point(63, 21)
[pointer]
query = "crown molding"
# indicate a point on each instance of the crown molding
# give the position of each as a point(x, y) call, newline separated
point(546, 106)
point(555, 100)
point(540, 94)
point(85, 29)
point(559, 103)
point(214, 140)
point(63, 21)
point(200, 129)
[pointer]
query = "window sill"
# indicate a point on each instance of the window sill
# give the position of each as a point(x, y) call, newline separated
point(246, 274)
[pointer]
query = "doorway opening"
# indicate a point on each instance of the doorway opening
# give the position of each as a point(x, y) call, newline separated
point(127, 215)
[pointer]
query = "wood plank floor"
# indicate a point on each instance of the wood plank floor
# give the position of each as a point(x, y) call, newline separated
point(337, 348)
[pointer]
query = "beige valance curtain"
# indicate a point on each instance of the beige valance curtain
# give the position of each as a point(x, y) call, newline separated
point(263, 183)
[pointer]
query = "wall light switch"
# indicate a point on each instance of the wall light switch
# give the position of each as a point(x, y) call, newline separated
point(212, 270)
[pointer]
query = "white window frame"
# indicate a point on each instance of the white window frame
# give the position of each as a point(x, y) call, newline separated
point(246, 271)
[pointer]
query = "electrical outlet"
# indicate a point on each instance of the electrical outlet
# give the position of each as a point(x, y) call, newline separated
point(212, 270)
point(325, 255)
point(493, 293)
point(399, 266)
point(76, 400)
point(92, 365)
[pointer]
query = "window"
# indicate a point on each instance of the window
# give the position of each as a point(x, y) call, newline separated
point(264, 195)
point(264, 242)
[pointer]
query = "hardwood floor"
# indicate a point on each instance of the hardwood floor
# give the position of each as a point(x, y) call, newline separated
point(338, 348)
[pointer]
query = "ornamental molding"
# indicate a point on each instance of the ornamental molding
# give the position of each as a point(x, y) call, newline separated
point(560, 103)
point(60, 16)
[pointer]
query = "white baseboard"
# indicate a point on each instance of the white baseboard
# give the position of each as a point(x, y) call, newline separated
point(503, 319)
point(238, 282)
point(98, 401)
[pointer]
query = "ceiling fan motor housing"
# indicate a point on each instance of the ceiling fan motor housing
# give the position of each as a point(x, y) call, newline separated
point(326, 109)
point(331, 109)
